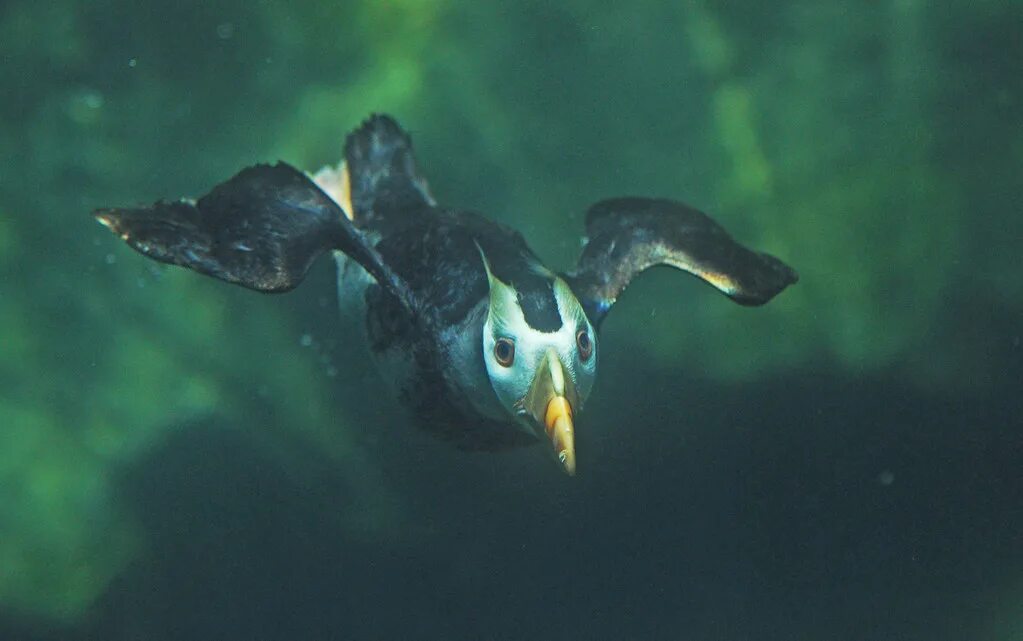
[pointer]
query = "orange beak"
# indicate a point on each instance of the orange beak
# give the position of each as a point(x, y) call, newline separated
point(549, 402)
point(558, 421)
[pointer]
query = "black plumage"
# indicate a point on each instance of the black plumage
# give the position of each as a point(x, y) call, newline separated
point(628, 235)
point(426, 295)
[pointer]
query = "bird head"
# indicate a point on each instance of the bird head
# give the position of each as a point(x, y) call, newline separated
point(540, 352)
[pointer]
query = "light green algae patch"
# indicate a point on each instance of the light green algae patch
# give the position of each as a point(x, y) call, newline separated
point(63, 539)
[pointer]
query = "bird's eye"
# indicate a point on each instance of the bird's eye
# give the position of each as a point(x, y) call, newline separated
point(582, 339)
point(504, 351)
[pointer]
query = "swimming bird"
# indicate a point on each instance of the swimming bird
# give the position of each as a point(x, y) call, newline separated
point(487, 346)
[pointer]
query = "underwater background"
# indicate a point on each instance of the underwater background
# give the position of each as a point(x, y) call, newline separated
point(184, 459)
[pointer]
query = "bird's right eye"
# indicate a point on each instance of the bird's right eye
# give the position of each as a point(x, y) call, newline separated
point(504, 352)
point(582, 340)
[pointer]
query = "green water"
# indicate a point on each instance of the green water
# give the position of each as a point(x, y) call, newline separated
point(183, 459)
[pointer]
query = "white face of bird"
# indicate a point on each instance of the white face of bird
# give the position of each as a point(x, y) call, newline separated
point(541, 378)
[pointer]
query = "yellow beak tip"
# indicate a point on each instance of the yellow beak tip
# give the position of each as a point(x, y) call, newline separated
point(567, 461)
point(558, 421)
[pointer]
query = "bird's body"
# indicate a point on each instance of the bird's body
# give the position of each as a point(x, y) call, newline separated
point(433, 361)
point(485, 345)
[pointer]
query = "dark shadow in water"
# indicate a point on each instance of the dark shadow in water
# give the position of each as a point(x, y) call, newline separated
point(806, 508)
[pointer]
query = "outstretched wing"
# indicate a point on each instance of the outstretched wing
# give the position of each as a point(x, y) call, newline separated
point(629, 235)
point(261, 229)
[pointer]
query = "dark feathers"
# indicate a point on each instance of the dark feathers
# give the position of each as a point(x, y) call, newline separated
point(629, 235)
point(261, 229)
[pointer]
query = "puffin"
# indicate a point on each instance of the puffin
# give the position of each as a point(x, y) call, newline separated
point(486, 346)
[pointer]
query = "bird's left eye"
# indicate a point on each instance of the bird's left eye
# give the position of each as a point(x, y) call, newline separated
point(582, 340)
point(504, 352)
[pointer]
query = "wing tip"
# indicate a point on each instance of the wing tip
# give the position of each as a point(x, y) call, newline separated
point(112, 219)
point(785, 274)
point(777, 280)
point(106, 217)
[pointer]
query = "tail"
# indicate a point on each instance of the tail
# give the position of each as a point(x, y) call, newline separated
point(382, 170)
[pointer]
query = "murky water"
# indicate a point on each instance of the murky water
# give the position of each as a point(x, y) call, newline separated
point(184, 459)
